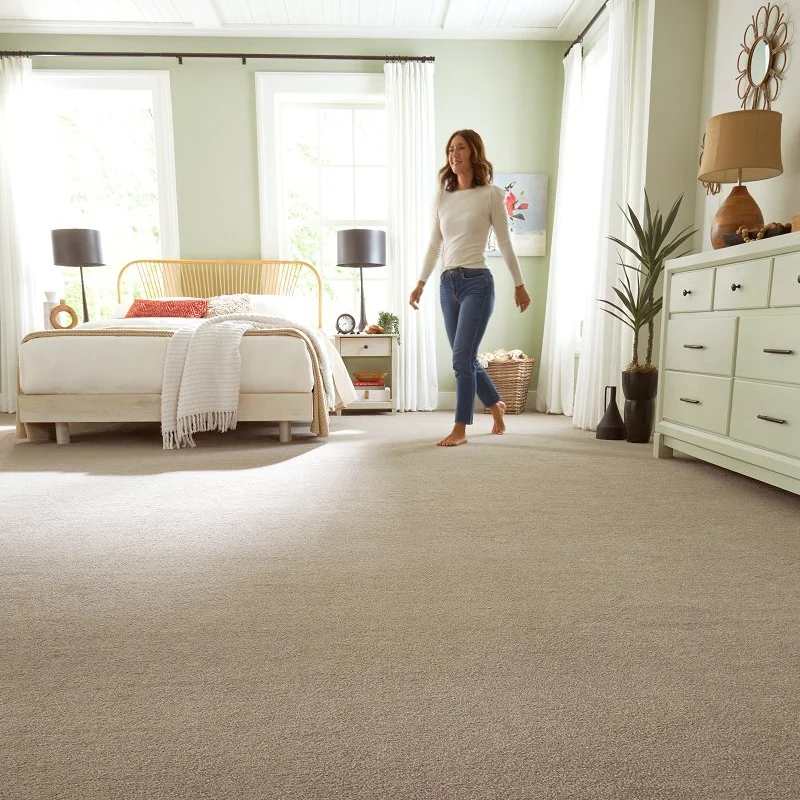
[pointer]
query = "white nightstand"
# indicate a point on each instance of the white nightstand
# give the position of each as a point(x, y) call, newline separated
point(376, 352)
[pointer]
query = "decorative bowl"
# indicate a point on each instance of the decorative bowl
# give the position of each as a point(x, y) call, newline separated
point(369, 377)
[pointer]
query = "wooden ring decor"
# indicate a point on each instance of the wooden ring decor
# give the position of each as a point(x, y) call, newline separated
point(60, 309)
point(762, 58)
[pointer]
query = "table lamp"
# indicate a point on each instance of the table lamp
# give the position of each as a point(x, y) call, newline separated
point(361, 247)
point(77, 247)
point(740, 146)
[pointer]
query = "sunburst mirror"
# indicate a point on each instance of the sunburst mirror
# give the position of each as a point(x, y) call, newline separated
point(762, 59)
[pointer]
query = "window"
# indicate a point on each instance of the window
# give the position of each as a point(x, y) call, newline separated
point(106, 162)
point(323, 168)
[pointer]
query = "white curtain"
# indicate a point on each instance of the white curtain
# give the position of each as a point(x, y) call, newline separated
point(601, 352)
point(412, 169)
point(21, 297)
point(562, 320)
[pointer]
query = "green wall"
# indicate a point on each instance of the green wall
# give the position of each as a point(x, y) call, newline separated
point(510, 92)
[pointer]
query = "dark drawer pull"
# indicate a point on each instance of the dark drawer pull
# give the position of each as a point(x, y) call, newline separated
point(735, 286)
point(778, 352)
point(694, 346)
point(689, 291)
point(689, 400)
point(798, 278)
point(771, 419)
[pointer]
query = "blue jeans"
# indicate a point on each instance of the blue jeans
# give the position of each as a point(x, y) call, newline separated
point(467, 297)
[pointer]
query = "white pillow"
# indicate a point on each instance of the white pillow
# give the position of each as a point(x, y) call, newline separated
point(228, 304)
point(299, 309)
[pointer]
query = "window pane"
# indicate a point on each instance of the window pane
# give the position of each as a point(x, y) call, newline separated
point(300, 135)
point(371, 193)
point(97, 152)
point(336, 189)
point(370, 136)
point(336, 135)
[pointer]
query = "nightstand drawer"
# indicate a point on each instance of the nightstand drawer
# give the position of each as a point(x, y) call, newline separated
point(769, 349)
point(742, 285)
point(374, 394)
point(691, 291)
point(701, 401)
point(786, 281)
point(766, 416)
point(701, 345)
point(366, 346)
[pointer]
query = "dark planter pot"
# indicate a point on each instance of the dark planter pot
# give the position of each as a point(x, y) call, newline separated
point(640, 390)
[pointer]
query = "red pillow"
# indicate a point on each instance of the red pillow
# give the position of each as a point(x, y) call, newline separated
point(168, 308)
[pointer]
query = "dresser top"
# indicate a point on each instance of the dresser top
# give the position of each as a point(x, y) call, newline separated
point(763, 248)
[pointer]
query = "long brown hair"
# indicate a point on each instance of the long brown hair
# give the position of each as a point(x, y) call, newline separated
point(482, 169)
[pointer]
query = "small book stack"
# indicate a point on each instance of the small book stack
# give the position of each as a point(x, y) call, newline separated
point(367, 386)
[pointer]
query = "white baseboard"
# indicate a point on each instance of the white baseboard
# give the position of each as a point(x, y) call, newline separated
point(447, 402)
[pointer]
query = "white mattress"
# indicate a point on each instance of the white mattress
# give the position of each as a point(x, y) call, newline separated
point(135, 364)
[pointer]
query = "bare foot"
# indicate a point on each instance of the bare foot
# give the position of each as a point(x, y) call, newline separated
point(498, 411)
point(456, 437)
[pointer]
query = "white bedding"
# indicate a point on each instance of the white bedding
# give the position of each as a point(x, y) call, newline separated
point(107, 364)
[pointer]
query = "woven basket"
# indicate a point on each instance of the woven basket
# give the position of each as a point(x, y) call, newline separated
point(511, 379)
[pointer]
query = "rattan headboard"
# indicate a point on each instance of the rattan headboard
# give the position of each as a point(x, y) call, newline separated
point(192, 278)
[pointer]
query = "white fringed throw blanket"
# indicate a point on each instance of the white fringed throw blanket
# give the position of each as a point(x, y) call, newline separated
point(202, 372)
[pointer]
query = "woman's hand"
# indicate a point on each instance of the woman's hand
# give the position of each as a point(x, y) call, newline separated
point(521, 297)
point(413, 301)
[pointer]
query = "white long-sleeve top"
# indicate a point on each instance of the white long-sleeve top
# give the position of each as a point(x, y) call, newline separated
point(460, 235)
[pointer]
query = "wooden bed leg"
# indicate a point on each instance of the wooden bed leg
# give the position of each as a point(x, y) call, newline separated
point(285, 431)
point(62, 433)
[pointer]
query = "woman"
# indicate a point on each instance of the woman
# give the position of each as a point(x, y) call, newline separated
point(466, 207)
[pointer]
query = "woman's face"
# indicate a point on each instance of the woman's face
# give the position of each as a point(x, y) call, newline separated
point(459, 155)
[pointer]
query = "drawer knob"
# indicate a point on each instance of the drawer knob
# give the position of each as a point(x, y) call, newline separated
point(771, 419)
point(735, 286)
point(689, 291)
point(778, 352)
point(798, 278)
point(694, 346)
point(689, 400)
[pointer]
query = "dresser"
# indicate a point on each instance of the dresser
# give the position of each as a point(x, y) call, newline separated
point(730, 360)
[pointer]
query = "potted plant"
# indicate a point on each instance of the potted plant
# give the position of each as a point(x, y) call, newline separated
point(639, 306)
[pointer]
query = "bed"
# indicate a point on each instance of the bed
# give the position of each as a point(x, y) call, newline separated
point(112, 370)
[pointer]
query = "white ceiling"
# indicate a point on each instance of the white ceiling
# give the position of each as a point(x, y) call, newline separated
point(390, 19)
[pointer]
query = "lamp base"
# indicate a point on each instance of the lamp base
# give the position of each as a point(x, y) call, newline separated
point(739, 209)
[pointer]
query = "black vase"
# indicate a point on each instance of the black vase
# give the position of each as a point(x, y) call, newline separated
point(640, 390)
point(611, 426)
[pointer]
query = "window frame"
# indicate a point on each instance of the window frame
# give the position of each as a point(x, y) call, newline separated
point(158, 83)
point(298, 88)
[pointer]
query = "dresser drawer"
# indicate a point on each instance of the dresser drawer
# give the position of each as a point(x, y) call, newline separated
point(366, 346)
point(701, 345)
point(691, 291)
point(697, 400)
point(766, 416)
point(768, 348)
point(786, 281)
point(744, 285)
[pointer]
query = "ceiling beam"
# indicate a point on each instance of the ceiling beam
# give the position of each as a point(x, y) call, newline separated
point(201, 13)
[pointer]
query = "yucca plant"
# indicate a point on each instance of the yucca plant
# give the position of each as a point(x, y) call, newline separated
point(638, 306)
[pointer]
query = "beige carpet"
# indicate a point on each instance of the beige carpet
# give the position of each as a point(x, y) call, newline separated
point(542, 615)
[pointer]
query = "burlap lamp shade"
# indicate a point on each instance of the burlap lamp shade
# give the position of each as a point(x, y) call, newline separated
point(740, 146)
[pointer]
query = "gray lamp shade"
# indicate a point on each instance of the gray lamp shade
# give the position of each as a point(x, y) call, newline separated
point(360, 247)
point(77, 247)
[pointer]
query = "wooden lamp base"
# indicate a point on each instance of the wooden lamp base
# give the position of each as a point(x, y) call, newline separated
point(739, 209)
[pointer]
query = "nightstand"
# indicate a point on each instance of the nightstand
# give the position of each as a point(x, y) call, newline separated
point(376, 352)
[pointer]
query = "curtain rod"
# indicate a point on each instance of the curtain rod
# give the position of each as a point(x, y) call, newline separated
point(579, 37)
point(242, 56)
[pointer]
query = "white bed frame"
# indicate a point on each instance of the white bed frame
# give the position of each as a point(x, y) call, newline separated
point(38, 415)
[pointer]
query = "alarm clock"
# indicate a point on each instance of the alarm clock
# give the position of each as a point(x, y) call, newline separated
point(345, 323)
